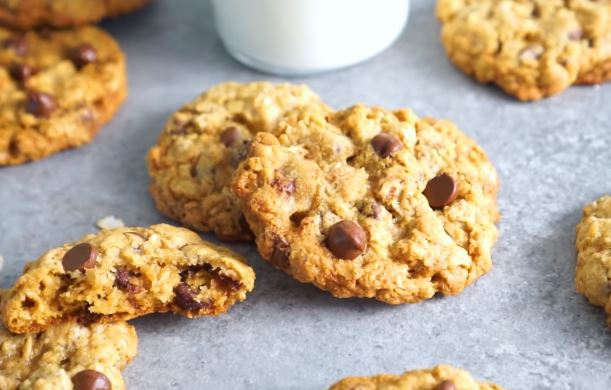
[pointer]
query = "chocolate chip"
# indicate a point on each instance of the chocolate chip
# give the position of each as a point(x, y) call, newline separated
point(21, 72)
point(122, 281)
point(83, 55)
point(441, 191)
point(40, 104)
point(386, 145)
point(80, 257)
point(86, 318)
point(446, 385)
point(230, 136)
point(185, 297)
point(347, 240)
point(280, 253)
point(91, 380)
point(226, 282)
point(284, 184)
point(19, 45)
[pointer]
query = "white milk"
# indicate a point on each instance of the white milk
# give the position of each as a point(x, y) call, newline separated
point(308, 36)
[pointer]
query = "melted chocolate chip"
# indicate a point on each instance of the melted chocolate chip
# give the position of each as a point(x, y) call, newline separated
point(83, 55)
point(385, 145)
point(122, 281)
point(80, 257)
point(346, 240)
point(86, 318)
point(21, 72)
point(40, 104)
point(185, 298)
point(91, 380)
point(280, 253)
point(230, 136)
point(441, 191)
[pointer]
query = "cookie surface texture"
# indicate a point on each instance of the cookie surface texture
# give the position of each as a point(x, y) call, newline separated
point(530, 48)
point(372, 203)
point(593, 274)
point(438, 378)
point(29, 14)
point(123, 273)
point(57, 88)
point(192, 164)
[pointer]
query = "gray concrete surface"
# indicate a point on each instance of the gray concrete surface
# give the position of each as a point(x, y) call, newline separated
point(523, 325)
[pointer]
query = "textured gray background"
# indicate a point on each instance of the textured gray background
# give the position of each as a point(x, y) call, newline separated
point(522, 325)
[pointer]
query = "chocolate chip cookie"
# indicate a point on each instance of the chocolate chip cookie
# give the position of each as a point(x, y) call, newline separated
point(28, 14)
point(123, 273)
point(57, 88)
point(530, 48)
point(192, 164)
point(67, 356)
point(438, 378)
point(368, 202)
point(593, 277)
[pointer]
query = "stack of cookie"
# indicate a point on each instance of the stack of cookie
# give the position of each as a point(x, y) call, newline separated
point(362, 202)
point(60, 78)
point(67, 312)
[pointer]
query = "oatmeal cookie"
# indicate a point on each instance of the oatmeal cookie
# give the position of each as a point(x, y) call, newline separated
point(123, 273)
point(29, 14)
point(593, 276)
point(67, 356)
point(368, 202)
point(530, 48)
point(57, 88)
point(438, 378)
point(192, 164)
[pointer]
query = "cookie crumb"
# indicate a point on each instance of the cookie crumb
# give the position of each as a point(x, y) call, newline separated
point(110, 222)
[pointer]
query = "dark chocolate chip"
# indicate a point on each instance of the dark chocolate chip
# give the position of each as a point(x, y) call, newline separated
point(185, 297)
point(226, 282)
point(280, 253)
point(347, 240)
point(386, 145)
point(40, 104)
point(83, 55)
point(446, 385)
point(86, 318)
point(21, 72)
point(441, 191)
point(19, 45)
point(122, 281)
point(230, 136)
point(80, 257)
point(91, 380)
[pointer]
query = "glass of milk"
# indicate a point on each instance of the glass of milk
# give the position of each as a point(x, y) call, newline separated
point(300, 37)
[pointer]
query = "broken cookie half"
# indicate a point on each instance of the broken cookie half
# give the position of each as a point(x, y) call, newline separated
point(123, 273)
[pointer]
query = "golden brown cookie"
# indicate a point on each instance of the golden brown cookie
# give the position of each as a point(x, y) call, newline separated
point(593, 276)
point(373, 203)
point(192, 164)
point(65, 355)
point(29, 14)
point(123, 273)
point(438, 378)
point(57, 88)
point(530, 48)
